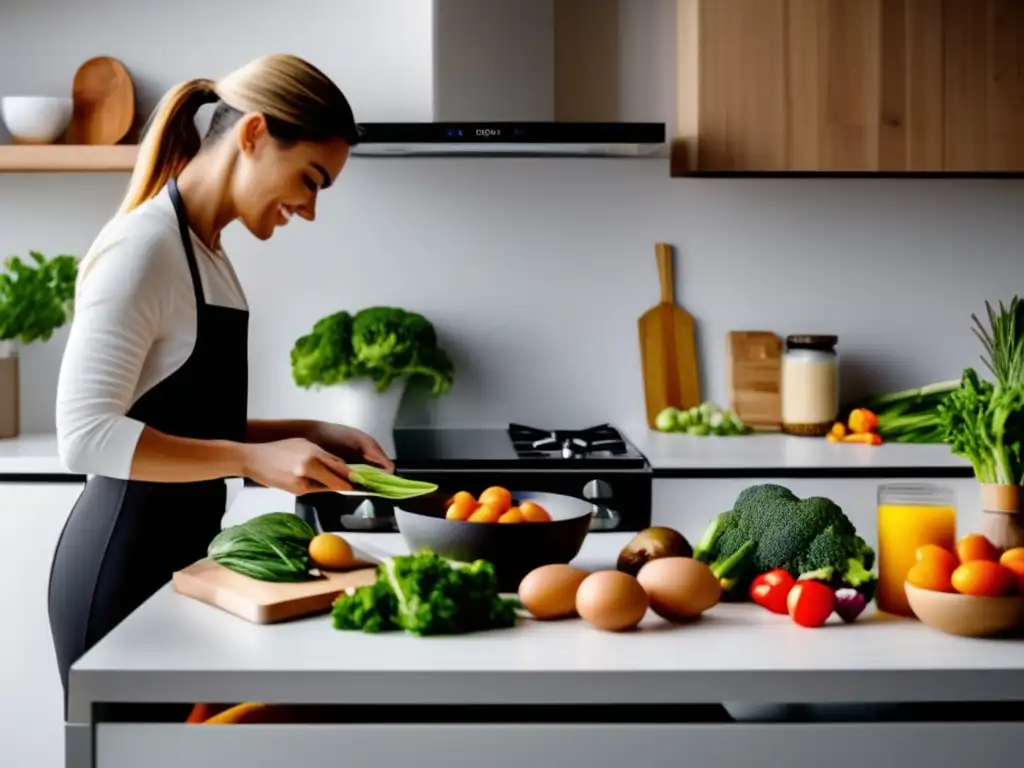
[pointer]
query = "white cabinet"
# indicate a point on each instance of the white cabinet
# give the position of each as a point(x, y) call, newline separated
point(32, 516)
point(688, 505)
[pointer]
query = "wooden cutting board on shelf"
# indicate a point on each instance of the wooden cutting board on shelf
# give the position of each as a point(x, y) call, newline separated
point(265, 602)
point(754, 360)
point(667, 347)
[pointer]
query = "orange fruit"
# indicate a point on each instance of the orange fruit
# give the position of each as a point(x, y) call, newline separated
point(1013, 560)
point(514, 515)
point(940, 554)
point(932, 574)
point(974, 546)
point(497, 496)
point(330, 551)
point(984, 578)
point(1011, 557)
point(534, 513)
point(486, 513)
point(461, 507)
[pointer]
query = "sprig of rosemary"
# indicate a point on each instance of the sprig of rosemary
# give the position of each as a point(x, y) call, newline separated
point(1003, 341)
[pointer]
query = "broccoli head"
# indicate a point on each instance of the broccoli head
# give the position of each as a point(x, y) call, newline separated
point(381, 343)
point(426, 594)
point(810, 538)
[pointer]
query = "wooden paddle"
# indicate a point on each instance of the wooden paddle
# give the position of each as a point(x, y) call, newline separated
point(103, 96)
point(667, 348)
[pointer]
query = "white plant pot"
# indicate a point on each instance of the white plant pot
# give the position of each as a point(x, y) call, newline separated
point(357, 403)
point(10, 391)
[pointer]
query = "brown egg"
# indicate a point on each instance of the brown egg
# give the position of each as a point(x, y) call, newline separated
point(549, 592)
point(679, 588)
point(611, 600)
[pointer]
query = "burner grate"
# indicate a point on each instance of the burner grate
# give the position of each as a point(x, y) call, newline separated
point(531, 442)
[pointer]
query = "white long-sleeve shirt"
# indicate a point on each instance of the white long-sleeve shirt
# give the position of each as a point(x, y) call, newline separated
point(134, 324)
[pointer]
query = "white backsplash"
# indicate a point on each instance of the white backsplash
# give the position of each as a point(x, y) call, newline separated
point(534, 271)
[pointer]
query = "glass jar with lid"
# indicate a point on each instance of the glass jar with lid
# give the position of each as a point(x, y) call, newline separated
point(810, 384)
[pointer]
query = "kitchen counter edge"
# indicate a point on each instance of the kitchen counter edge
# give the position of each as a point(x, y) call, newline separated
point(33, 458)
point(777, 455)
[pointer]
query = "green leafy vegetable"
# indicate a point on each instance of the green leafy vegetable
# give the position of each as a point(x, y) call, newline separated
point(35, 298)
point(770, 527)
point(384, 484)
point(426, 594)
point(910, 415)
point(984, 423)
point(380, 343)
point(270, 547)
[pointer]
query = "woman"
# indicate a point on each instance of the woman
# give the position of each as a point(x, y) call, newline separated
point(151, 402)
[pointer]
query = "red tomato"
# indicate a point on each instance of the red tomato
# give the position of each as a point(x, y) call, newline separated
point(810, 603)
point(770, 590)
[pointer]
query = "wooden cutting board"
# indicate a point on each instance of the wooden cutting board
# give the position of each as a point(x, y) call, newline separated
point(667, 347)
point(265, 602)
point(754, 361)
point(103, 99)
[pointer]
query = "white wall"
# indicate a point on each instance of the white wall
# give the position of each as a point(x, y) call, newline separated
point(534, 271)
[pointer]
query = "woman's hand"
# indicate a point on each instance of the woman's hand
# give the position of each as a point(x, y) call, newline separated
point(296, 465)
point(350, 441)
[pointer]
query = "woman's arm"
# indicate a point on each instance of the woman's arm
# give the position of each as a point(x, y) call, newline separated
point(268, 430)
point(133, 287)
point(131, 290)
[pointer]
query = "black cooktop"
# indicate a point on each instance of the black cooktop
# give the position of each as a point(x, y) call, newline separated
point(518, 446)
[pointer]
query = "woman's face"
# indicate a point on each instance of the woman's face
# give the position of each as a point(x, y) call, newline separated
point(273, 182)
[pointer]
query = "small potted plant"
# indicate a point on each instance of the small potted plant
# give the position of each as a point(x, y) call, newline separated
point(35, 300)
point(366, 361)
point(983, 421)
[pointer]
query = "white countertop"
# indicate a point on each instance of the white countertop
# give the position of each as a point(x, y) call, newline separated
point(783, 452)
point(31, 455)
point(177, 649)
point(37, 454)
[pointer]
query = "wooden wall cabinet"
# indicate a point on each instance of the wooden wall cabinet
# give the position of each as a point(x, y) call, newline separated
point(850, 86)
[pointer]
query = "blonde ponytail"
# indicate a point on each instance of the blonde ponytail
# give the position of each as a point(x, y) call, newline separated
point(171, 140)
point(297, 100)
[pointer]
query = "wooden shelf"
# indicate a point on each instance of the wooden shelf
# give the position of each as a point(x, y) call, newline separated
point(67, 158)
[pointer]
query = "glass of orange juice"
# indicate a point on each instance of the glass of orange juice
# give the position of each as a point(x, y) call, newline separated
point(910, 515)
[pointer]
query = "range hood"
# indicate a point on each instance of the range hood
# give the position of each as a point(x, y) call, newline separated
point(527, 78)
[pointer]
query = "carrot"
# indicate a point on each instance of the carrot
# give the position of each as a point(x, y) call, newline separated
point(240, 713)
point(866, 438)
point(862, 421)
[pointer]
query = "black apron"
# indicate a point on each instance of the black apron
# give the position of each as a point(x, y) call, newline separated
point(124, 538)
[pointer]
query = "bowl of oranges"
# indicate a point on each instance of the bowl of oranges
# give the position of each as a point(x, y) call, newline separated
point(515, 531)
point(976, 590)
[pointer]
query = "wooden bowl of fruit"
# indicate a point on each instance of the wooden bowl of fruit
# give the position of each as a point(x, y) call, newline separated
point(978, 591)
point(515, 531)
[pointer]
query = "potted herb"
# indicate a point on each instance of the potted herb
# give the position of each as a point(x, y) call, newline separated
point(35, 300)
point(983, 421)
point(366, 361)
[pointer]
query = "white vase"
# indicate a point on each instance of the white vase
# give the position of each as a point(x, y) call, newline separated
point(357, 403)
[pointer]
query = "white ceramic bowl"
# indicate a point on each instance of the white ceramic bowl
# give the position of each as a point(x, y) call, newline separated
point(35, 119)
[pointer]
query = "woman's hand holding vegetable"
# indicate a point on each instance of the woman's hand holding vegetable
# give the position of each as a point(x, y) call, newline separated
point(344, 440)
point(295, 465)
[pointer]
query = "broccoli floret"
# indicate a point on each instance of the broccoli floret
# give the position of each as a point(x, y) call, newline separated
point(392, 342)
point(371, 608)
point(803, 536)
point(324, 356)
point(426, 594)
